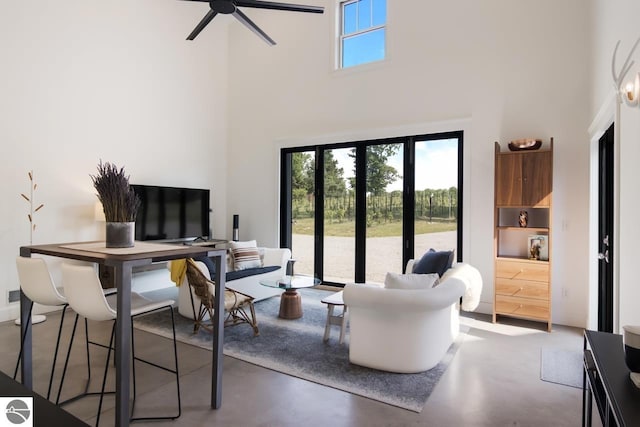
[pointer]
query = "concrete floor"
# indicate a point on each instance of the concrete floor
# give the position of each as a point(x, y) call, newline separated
point(493, 380)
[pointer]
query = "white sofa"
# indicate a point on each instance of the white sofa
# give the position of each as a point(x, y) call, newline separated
point(247, 285)
point(407, 331)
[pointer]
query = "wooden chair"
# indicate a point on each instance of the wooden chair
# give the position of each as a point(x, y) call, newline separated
point(239, 307)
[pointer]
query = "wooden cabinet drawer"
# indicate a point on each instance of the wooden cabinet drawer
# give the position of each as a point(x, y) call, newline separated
point(522, 288)
point(522, 307)
point(534, 271)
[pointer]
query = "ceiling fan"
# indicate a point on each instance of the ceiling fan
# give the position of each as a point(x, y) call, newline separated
point(230, 7)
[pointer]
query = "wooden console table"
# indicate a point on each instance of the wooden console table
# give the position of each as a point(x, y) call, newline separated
point(606, 380)
point(123, 262)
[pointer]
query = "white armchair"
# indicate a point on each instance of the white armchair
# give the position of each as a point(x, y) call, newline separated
point(405, 330)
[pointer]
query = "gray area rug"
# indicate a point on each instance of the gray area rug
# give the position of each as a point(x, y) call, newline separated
point(295, 347)
point(561, 366)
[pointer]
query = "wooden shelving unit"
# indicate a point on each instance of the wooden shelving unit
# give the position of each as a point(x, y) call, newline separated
point(512, 228)
point(523, 182)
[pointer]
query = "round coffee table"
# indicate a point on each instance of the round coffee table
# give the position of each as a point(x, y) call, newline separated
point(291, 300)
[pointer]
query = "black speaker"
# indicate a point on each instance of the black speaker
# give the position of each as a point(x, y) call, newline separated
point(236, 232)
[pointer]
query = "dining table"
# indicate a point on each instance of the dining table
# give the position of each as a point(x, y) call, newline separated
point(122, 261)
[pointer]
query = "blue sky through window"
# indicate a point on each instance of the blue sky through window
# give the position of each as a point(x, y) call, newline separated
point(364, 14)
point(363, 31)
point(364, 48)
point(379, 12)
point(436, 164)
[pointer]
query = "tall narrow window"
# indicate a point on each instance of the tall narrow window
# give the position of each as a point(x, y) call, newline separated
point(362, 31)
point(339, 225)
point(384, 170)
point(302, 210)
point(436, 194)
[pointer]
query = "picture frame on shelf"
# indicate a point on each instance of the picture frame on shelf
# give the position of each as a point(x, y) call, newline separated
point(538, 246)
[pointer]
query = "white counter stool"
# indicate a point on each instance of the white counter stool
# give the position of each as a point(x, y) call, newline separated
point(36, 283)
point(85, 296)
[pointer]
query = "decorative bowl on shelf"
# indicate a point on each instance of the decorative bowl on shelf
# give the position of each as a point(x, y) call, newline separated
point(525, 144)
point(631, 339)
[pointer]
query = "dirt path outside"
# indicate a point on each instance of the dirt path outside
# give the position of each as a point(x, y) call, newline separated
point(383, 254)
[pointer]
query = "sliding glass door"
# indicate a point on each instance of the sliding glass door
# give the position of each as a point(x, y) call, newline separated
point(339, 216)
point(436, 195)
point(355, 211)
point(384, 210)
point(302, 209)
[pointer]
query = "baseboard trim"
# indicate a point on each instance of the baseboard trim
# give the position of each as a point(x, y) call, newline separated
point(9, 313)
point(484, 308)
point(12, 312)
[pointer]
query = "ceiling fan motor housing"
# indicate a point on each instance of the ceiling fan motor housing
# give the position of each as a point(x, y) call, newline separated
point(230, 7)
point(226, 7)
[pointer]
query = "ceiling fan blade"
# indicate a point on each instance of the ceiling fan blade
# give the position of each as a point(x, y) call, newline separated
point(253, 27)
point(203, 23)
point(279, 6)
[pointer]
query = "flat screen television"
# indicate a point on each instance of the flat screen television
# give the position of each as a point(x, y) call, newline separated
point(172, 213)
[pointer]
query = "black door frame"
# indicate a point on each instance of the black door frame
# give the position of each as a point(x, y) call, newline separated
point(605, 237)
point(360, 212)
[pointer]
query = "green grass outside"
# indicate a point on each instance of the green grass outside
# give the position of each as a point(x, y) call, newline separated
point(347, 228)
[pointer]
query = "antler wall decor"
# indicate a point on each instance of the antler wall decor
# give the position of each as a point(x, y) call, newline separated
point(630, 92)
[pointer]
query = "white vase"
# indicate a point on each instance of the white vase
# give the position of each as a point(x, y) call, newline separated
point(120, 234)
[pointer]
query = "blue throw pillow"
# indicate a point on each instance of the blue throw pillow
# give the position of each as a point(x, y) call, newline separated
point(434, 262)
point(211, 266)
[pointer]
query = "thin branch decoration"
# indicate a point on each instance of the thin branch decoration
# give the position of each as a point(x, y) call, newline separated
point(31, 215)
point(119, 202)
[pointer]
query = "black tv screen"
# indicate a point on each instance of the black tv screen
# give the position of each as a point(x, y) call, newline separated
point(171, 213)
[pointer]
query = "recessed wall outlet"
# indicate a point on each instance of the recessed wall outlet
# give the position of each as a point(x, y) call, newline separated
point(13, 296)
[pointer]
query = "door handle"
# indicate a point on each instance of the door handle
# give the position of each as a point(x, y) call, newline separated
point(604, 256)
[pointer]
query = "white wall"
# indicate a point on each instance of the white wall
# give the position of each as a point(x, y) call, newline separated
point(612, 21)
point(514, 68)
point(84, 80)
